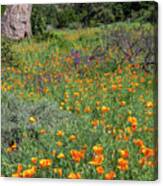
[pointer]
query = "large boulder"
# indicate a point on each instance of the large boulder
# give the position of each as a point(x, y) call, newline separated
point(15, 23)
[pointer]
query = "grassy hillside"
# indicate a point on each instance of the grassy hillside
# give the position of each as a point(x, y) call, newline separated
point(80, 104)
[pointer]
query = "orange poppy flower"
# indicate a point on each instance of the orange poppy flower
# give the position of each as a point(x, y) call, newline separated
point(148, 152)
point(122, 103)
point(98, 149)
point(42, 131)
point(114, 87)
point(132, 120)
point(87, 109)
point(105, 109)
point(45, 163)
point(97, 160)
point(61, 156)
point(34, 160)
point(59, 143)
point(100, 170)
point(134, 127)
point(58, 171)
point(124, 153)
point(149, 104)
point(74, 175)
point(16, 175)
point(142, 161)
point(28, 173)
point(76, 94)
point(110, 175)
point(138, 142)
point(122, 164)
point(72, 138)
point(60, 133)
point(95, 123)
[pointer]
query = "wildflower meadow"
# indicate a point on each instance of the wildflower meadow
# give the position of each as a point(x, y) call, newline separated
point(81, 104)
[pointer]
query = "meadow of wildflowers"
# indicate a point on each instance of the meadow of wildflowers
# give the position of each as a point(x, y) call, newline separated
point(81, 106)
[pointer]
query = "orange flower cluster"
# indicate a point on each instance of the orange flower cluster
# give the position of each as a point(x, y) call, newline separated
point(138, 142)
point(146, 151)
point(122, 162)
point(98, 156)
point(18, 172)
point(97, 160)
point(144, 161)
point(45, 163)
point(133, 122)
point(28, 173)
point(74, 175)
point(77, 155)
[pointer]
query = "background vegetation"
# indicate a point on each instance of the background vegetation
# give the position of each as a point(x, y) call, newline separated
point(90, 14)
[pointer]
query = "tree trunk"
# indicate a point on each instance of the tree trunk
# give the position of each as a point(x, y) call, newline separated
point(16, 22)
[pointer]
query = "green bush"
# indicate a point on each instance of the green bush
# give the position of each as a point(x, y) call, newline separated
point(16, 112)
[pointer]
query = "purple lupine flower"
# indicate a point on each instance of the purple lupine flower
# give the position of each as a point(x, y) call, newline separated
point(77, 58)
point(72, 52)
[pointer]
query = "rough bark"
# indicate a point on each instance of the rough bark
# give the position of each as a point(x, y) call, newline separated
point(15, 23)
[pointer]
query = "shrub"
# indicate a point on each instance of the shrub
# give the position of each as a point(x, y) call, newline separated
point(16, 112)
